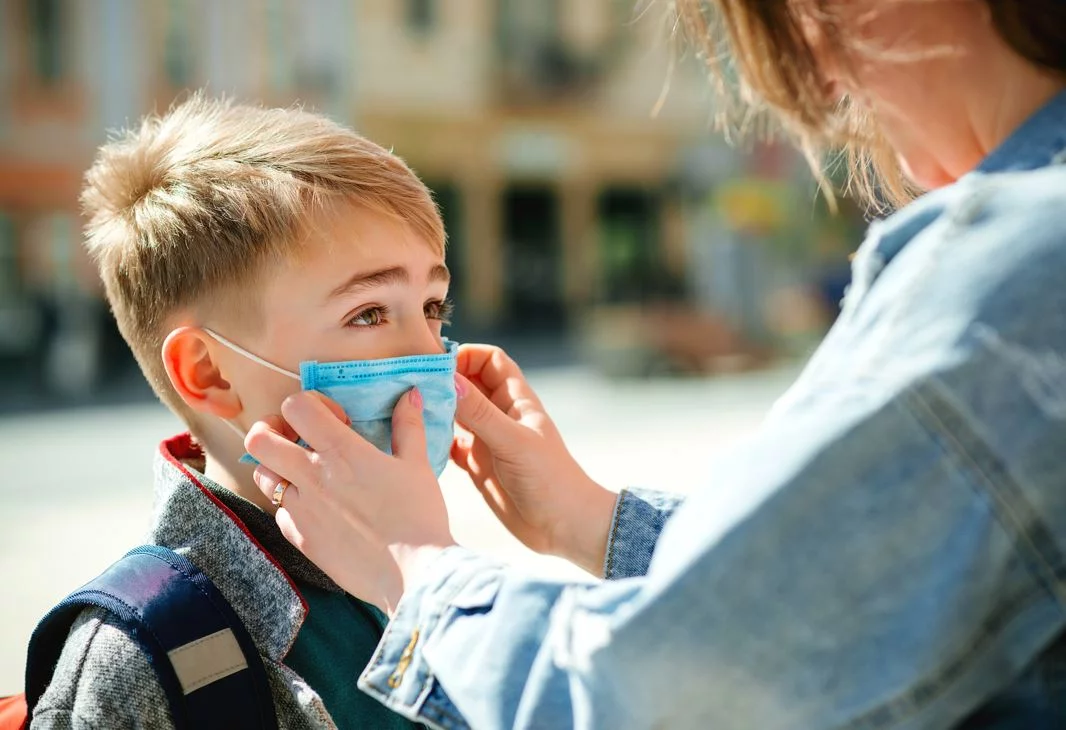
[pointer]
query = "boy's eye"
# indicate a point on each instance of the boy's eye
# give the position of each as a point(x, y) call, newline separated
point(439, 309)
point(371, 317)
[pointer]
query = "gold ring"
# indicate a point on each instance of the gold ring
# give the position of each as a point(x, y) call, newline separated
point(279, 492)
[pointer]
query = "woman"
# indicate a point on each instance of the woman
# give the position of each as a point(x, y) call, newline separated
point(904, 566)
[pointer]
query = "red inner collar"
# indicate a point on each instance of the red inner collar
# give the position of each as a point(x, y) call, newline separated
point(178, 449)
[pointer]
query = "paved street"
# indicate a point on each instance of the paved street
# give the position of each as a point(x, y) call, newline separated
point(77, 484)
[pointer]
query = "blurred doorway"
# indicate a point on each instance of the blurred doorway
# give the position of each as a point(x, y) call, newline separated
point(632, 263)
point(533, 295)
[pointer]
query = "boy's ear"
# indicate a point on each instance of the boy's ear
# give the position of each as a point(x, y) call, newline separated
point(195, 375)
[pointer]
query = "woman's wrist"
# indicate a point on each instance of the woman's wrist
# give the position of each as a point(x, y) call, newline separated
point(582, 538)
point(413, 562)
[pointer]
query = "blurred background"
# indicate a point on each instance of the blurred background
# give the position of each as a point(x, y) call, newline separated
point(650, 278)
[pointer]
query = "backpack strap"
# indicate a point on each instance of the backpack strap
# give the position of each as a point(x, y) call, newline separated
point(202, 654)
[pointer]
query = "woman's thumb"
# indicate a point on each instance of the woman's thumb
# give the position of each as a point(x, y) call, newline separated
point(481, 417)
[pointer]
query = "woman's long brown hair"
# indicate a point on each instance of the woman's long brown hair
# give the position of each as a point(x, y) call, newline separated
point(761, 62)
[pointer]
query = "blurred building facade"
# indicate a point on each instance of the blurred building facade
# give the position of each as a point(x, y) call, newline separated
point(530, 119)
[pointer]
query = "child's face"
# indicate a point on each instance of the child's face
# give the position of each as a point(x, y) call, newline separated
point(364, 286)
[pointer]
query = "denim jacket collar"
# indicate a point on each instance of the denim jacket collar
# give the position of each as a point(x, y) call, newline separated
point(1039, 142)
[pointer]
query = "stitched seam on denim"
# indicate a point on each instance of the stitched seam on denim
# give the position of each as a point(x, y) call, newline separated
point(438, 712)
point(608, 570)
point(432, 722)
point(1013, 507)
point(379, 656)
point(444, 603)
point(417, 709)
point(419, 705)
point(923, 692)
point(915, 699)
point(951, 227)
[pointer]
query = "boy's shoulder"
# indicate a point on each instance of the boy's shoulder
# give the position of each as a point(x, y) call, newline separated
point(103, 679)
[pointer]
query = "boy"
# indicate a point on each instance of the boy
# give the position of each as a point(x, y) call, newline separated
point(220, 228)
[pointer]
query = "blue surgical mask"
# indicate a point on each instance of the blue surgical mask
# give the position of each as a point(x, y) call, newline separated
point(368, 390)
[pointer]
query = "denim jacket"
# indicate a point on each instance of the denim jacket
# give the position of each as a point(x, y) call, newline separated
point(901, 560)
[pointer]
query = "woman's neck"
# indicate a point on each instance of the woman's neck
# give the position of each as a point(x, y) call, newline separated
point(995, 116)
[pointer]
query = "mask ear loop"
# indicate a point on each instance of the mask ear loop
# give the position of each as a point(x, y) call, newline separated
point(251, 356)
point(254, 358)
point(236, 429)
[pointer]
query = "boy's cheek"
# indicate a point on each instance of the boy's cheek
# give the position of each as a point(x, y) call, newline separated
point(262, 397)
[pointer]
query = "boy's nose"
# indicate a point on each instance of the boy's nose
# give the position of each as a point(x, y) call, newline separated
point(421, 340)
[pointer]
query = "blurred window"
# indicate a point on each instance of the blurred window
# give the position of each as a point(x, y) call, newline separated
point(317, 56)
point(520, 23)
point(46, 41)
point(10, 279)
point(421, 15)
point(279, 27)
point(533, 257)
point(177, 46)
point(61, 242)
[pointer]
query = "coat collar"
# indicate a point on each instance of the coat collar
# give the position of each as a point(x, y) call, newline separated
point(190, 520)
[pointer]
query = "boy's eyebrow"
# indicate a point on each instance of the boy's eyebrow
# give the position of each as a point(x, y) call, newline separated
point(394, 275)
point(440, 273)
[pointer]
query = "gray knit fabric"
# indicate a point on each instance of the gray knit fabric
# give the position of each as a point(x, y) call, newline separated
point(264, 528)
point(103, 679)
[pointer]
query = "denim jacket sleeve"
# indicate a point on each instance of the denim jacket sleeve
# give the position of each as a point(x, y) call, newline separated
point(900, 555)
point(639, 518)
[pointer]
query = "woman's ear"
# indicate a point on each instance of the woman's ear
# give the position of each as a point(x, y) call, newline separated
point(195, 374)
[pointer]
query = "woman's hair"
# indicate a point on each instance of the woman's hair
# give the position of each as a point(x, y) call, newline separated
point(762, 62)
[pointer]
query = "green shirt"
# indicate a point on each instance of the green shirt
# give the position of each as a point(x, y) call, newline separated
point(335, 643)
point(339, 635)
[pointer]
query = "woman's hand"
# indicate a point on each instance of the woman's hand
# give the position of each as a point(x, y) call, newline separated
point(369, 520)
point(518, 461)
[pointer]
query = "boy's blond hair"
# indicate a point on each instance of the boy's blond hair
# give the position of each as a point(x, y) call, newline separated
point(186, 209)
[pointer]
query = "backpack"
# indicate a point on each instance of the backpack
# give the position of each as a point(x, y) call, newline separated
point(203, 656)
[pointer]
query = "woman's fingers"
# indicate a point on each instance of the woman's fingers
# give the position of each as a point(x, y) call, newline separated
point(408, 428)
point(311, 415)
point(278, 453)
point(332, 405)
point(287, 523)
point(268, 480)
point(460, 448)
point(483, 418)
point(291, 508)
point(278, 424)
point(499, 377)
